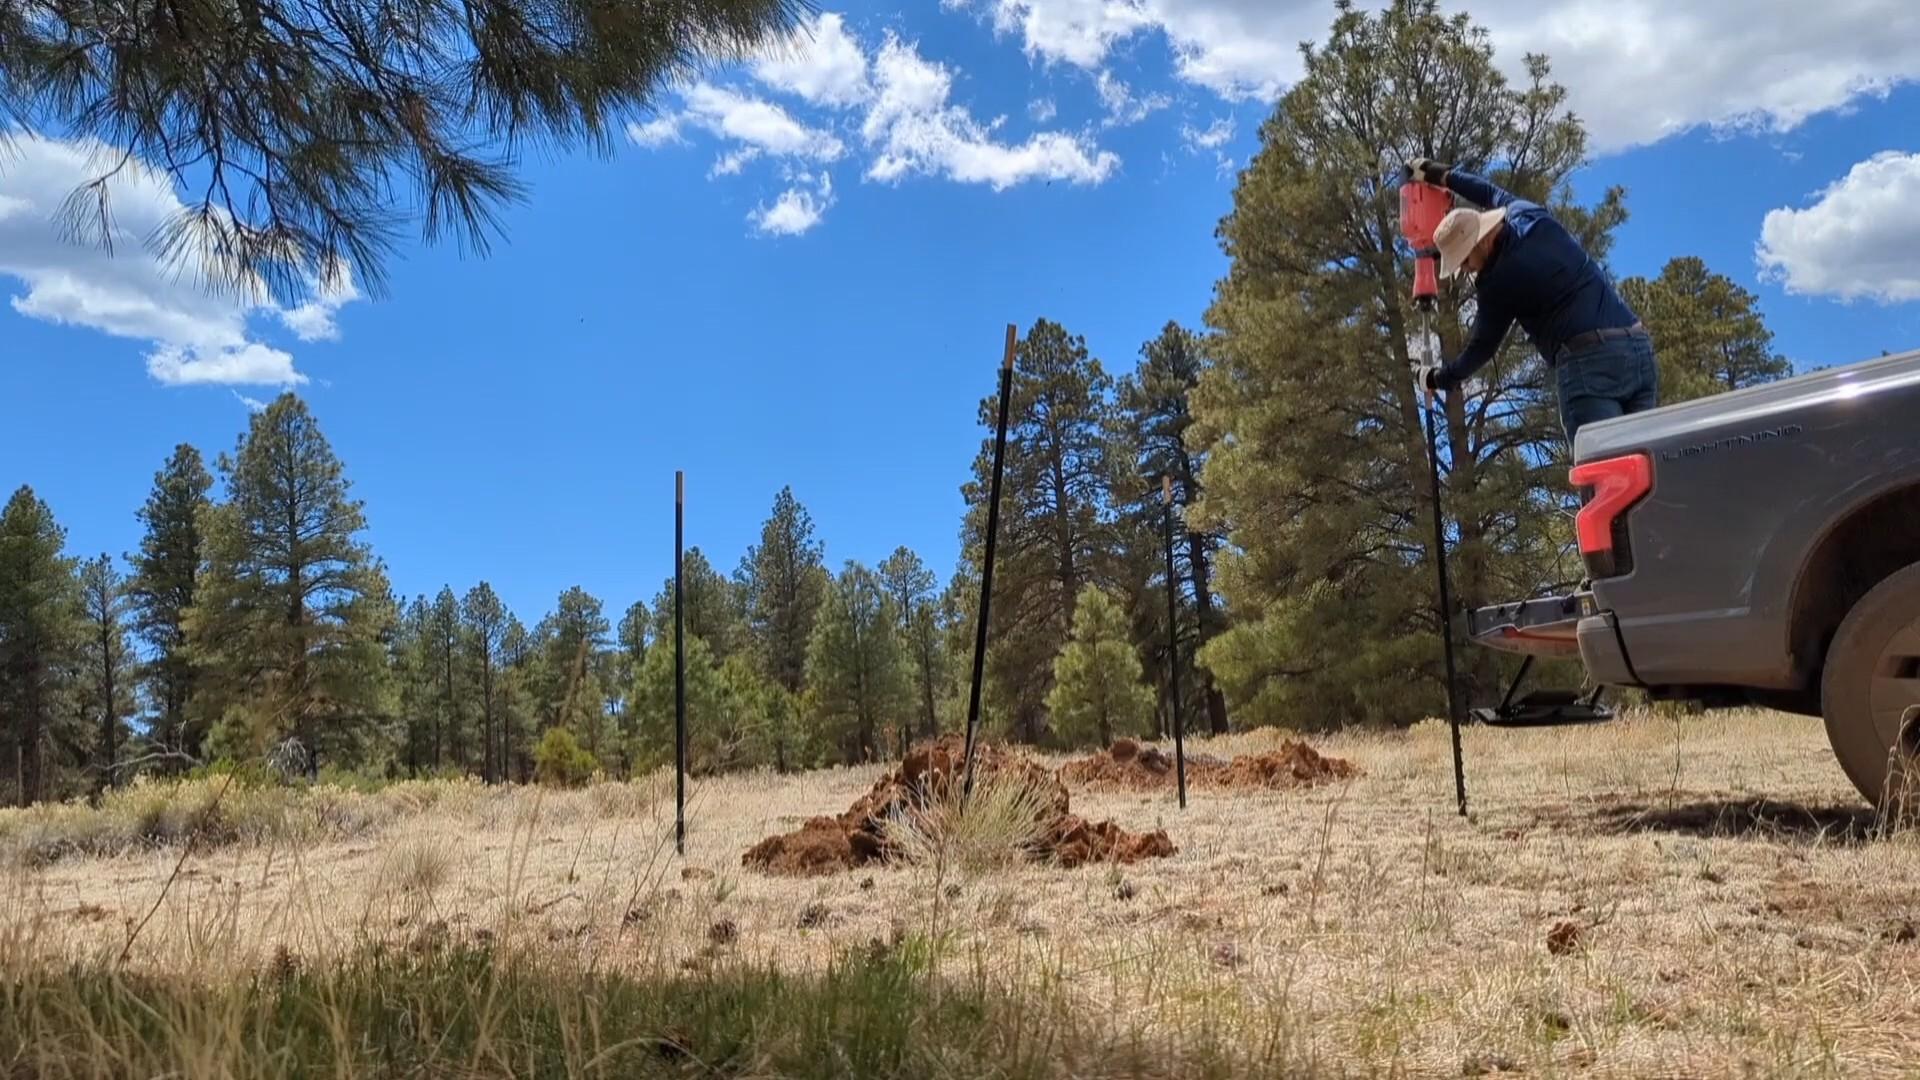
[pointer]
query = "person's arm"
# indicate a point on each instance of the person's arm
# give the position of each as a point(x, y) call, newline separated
point(1479, 190)
point(1490, 324)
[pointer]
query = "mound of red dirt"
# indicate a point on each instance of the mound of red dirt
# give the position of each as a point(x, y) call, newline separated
point(825, 845)
point(1295, 764)
point(1136, 766)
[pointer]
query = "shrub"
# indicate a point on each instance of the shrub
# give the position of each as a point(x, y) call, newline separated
point(560, 761)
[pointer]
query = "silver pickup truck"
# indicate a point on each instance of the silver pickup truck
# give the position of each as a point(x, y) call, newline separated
point(1758, 547)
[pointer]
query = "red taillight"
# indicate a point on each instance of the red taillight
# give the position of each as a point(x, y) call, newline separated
point(1617, 484)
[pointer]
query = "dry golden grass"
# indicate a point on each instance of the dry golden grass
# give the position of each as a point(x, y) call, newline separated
point(1719, 901)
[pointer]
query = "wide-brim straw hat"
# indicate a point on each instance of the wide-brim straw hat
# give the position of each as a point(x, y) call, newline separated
point(1459, 231)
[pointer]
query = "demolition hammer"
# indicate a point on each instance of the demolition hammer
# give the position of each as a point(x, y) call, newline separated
point(1422, 206)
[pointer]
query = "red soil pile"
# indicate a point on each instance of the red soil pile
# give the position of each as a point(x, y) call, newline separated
point(825, 845)
point(1135, 766)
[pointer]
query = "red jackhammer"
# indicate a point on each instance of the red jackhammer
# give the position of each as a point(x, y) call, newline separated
point(1422, 206)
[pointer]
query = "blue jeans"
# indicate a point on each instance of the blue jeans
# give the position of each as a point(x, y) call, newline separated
point(1606, 380)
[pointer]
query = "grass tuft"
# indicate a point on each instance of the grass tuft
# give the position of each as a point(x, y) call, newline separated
point(996, 828)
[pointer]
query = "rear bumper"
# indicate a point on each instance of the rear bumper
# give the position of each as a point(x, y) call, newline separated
point(1601, 652)
point(1569, 627)
point(1544, 626)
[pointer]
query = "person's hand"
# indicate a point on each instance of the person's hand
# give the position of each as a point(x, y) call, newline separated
point(1426, 378)
point(1428, 171)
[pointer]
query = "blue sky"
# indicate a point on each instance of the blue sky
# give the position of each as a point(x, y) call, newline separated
point(800, 273)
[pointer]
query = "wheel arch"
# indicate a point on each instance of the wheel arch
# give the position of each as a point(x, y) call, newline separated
point(1873, 540)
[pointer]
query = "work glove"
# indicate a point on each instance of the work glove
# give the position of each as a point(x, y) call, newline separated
point(1428, 171)
point(1426, 379)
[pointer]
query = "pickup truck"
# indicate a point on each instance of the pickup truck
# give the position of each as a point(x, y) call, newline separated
point(1758, 547)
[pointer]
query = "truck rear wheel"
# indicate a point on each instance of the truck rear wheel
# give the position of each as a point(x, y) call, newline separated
point(1870, 692)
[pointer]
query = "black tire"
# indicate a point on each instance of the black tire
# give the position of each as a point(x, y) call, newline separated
point(1870, 690)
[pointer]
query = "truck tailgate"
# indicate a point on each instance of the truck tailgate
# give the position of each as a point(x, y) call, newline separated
point(1545, 626)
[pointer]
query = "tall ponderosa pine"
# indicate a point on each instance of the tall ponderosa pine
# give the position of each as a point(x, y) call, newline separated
point(912, 585)
point(781, 582)
point(572, 637)
point(166, 572)
point(1097, 689)
point(857, 684)
point(1308, 412)
point(485, 618)
point(1707, 331)
point(520, 662)
point(286, 628)
point(106, 682)
point(1053, 523)
point(292, 121)
point(449, 730)
point(1155, 415)
point(39, 637)
point(416, 687)
point(714, 611)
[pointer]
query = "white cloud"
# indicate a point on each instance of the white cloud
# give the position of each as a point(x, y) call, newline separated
point(314, 320)
point(252, 404)
point(195, 335)
point(1211, 140)
point(1079, 32)
point(1636, 70)
point(733, 115)
point(1042, 110)
point(796, 210)
point(827, 67)
point(752, 127)
point(658, 131)
point(730, 164)
point(1860, 238)
point(1122, 107)
point(1212, 137)
point(913, 128)
point(252, 364)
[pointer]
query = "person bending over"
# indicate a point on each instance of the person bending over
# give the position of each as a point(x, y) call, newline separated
point(1527, 268)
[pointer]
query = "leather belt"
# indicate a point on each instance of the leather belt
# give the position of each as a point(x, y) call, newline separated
point(1595, 337)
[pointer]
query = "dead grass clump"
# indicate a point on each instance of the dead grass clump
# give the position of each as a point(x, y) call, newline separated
point(417, 865)
point(1004, 821)
point(914, 813)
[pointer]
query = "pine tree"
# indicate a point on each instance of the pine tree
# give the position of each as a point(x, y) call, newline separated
point(714, 610)
point(911, 585)
point(1155, 414)
point(572, 638)
point(520, 662)
point(1097, 693)
point(1707, 331)
point(857, 682)
point(723, 708)
point(296, 123)
point(1055, 534)
point(633, 634)
point(443, 627)
point(484, 621)
point(411, 662)
point(107, 665)
point(166, 573)
point(39, 637)
point(1317, 458)
point(780, 583)
point(287, 624)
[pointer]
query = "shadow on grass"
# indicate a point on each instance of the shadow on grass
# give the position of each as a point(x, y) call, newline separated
point(1749, 819)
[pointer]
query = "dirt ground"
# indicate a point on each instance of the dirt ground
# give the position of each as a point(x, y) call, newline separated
point(1697, 897)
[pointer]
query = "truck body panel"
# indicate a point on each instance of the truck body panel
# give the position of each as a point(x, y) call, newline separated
point(1745, 487)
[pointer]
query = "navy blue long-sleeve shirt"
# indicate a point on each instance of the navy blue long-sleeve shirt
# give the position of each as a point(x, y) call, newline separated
point(1538, 276)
